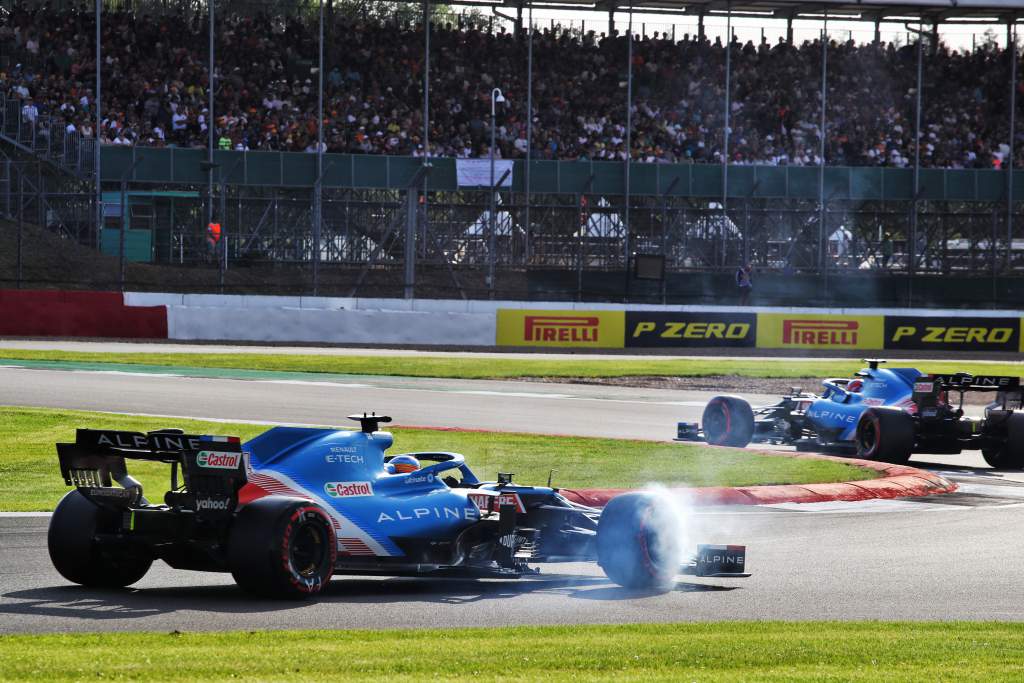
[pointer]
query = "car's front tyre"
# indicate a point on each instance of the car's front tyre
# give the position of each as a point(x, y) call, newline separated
point(728, 421)
point(639, 541)
point(282, 548)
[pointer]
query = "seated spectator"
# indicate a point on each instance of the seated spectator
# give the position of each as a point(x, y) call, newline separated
point(156, 88)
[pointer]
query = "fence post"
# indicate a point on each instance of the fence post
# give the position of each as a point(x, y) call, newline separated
point(21, 220)
point(411, 213)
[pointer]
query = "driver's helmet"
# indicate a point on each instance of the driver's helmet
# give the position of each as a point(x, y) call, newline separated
point(855, 386)
point(403, 464)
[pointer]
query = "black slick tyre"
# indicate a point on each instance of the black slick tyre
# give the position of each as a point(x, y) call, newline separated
point(80, 558)
point(728, 421)
point(638, 542)
point(1010, 456)
point(282, 548)
point(885, 434)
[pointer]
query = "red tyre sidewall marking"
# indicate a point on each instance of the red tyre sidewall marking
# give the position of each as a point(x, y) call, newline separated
point(314, 585)
point(877, 426)
point(641, 539)
point(728, 423)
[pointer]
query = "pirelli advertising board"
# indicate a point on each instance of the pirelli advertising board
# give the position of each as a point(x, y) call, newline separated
point(952, 334)
point(819, 331)
point(662, 329)
point(630, 329)
point(577, 329)
point(680, 330)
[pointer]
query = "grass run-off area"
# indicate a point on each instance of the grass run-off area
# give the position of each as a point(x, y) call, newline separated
point(739, 651)
point(469, 367)
point(30, 475)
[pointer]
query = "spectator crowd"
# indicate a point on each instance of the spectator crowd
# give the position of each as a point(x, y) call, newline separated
point(155, 92)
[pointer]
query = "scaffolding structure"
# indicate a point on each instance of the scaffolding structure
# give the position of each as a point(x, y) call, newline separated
point(578, 230)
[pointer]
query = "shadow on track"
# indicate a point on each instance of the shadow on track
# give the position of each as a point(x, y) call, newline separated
point(133, 603)
point(962, 469)
point(458, 591)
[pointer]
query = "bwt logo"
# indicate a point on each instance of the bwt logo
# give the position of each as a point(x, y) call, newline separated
point(820, 332)
point(550, 328)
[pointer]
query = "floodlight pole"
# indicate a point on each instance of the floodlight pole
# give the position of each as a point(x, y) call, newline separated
point(912, 246)
point(426, 83)
point(629, 150)
point(1009, 158)
point(318, 213)
point(99, 124)
point(725, 129)
point(426, 122)
point(823, 254)
point(529, 128)
point(209, 122)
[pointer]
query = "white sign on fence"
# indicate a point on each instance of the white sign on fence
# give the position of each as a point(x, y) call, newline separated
point(477, 172)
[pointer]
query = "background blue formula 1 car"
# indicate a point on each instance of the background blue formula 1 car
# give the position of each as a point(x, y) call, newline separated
point(291, 507)
point(879, 414)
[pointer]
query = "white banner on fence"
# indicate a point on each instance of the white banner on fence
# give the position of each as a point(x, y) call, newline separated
point(477, 172)
point(224, 323)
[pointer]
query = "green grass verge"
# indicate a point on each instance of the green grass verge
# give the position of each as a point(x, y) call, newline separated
point(468, 367)
point(30, 477)
point(758, 651)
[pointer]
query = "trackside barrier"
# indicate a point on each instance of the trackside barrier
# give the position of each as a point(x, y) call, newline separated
point(330, 326)
point(505, 323)
point(865, 331)
point(55, 313)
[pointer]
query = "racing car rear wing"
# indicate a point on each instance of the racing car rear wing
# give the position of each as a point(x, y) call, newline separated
point(966, 382)
point(929, 390)
point(213, 467)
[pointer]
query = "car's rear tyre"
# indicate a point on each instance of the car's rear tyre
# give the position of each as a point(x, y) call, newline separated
point(282, 548)
point(885, 434)
point(79, 558)
point(728, 421)
point(638, 541)
point(1010, 456)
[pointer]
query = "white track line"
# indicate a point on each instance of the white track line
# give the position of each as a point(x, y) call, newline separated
point(347, 385)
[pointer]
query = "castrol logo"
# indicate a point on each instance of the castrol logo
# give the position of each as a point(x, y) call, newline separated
point(218, 459)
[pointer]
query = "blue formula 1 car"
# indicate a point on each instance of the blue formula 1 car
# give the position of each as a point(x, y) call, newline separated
point(287, 510)
point(879, 414)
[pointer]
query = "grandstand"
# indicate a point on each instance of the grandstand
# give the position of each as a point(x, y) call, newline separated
point(819, 161)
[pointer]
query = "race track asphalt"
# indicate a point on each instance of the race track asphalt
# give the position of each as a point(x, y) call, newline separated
point(945, 557)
